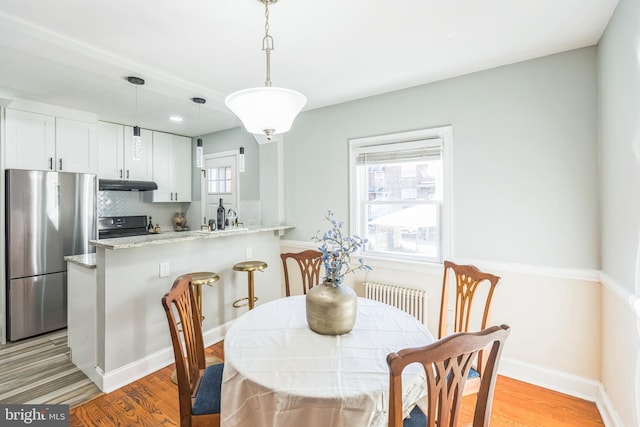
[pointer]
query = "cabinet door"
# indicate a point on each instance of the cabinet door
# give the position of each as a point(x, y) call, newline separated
point(76, 146)
point(162, 143)
point(181, 168)
point(30, 141)
point(142, 169)
point(110, 140)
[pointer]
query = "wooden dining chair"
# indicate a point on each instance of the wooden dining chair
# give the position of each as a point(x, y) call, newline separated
point(198, 385)
point(309, 262)
point(467, 283)
point(447, 363)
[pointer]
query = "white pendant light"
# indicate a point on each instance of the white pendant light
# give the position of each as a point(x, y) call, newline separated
point(266, 110)
point(137, 138)
point(199, 148)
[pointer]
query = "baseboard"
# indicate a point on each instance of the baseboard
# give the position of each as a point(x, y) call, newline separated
point(113, 380)
point(610, 417)
point(573, 385)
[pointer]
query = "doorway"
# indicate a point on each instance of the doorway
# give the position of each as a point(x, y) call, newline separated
point(220, 181)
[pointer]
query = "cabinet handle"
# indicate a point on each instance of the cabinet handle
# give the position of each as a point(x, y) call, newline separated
point(60, 164)
point(50, 163)
point(176, 196)
point(120, 173)
point(171, 195)
point(127, 173)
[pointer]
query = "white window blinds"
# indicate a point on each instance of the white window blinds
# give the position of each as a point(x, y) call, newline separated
point(399, 152)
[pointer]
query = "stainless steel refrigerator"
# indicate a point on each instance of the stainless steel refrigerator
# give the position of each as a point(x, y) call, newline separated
point(49, 215)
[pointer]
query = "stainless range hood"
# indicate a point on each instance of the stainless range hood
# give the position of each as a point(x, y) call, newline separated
point(122, 185)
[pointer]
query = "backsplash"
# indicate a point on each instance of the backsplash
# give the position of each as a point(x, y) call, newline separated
point(119, 203)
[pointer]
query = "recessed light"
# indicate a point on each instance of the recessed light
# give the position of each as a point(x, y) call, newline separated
point(175, 118)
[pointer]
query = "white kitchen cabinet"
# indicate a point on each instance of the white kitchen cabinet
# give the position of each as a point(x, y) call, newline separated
point(31, 140)
point(115, 151)
point(41, 142)
point(171, 168)
point(76, 146)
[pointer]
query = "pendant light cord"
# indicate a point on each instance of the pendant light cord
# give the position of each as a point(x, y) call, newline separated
point(267, 42)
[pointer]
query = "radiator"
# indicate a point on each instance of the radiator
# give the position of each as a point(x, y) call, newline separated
point(412, 301)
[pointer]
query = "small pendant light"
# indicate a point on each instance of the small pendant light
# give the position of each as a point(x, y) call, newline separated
point(199, 149)
point(137, 138)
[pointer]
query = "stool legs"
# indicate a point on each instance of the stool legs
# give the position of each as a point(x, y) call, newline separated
point(197, 290)
point(251, 298)
point(250, 291)
point(248, 267)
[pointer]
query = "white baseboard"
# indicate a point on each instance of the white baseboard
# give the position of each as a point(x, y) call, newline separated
point(133, 371)
point(608, 412)
point(573, 385)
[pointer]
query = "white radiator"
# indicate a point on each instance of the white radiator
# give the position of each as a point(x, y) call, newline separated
point(412, 301)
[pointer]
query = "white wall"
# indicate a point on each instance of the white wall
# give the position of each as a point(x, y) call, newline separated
point(524, 158)
point(132, 335)
point(526, 203)
point(619, 118)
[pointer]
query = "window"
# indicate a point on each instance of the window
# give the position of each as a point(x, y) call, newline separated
point(219, 180)
point(400, 193)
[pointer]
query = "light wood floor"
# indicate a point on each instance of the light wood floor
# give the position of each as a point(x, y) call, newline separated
point(153, 401)
point(39, 371)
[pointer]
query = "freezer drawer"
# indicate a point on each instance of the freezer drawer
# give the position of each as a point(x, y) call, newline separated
point(36, 305)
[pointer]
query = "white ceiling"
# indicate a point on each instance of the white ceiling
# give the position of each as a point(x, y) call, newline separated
point(77, 53)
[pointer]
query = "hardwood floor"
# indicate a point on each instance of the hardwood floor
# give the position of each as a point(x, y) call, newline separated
point(153, 401)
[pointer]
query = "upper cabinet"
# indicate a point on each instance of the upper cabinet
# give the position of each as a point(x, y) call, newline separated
point(76, 146)
point(171, 168)
point(41, 142)
point(115, 150)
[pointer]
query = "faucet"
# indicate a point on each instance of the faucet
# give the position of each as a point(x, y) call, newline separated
point(232, 215)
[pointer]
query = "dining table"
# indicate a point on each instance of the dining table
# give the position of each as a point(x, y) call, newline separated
point(279, 373)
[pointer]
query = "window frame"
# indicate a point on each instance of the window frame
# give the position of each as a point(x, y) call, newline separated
point(376, 143)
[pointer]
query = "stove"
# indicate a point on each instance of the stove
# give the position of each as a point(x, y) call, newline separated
point(110, 227)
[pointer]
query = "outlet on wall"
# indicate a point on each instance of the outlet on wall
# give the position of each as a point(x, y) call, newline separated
point(249, 253)
point(164, 269)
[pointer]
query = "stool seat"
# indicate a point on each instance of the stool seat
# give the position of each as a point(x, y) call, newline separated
point(204, 278)
point(249, 267)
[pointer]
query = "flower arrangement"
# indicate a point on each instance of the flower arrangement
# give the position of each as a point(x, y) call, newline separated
point(337, 250)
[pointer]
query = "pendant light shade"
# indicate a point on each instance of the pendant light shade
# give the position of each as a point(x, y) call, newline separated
point(268, 110)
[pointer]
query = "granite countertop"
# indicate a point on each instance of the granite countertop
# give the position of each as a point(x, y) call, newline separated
point(84, 260)
point(179, 236)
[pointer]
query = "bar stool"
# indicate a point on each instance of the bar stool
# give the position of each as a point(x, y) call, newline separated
point(250, 267)
point(198, 280)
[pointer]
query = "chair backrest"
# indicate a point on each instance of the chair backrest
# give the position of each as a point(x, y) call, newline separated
point(447, 363)
point(190, 364)
point(309, 262)
point(468, 281)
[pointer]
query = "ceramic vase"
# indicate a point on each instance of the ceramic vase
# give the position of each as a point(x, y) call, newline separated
point(179, 221)
point(331, 310)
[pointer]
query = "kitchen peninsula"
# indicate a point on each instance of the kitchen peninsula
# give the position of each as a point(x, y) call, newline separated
point(117, 327)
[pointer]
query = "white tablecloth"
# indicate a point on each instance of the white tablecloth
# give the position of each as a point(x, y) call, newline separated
point(279, 373)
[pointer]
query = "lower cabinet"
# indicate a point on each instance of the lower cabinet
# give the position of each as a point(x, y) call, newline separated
point(171, 168)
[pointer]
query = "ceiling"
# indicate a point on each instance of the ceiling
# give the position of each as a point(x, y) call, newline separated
point(77, 53)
